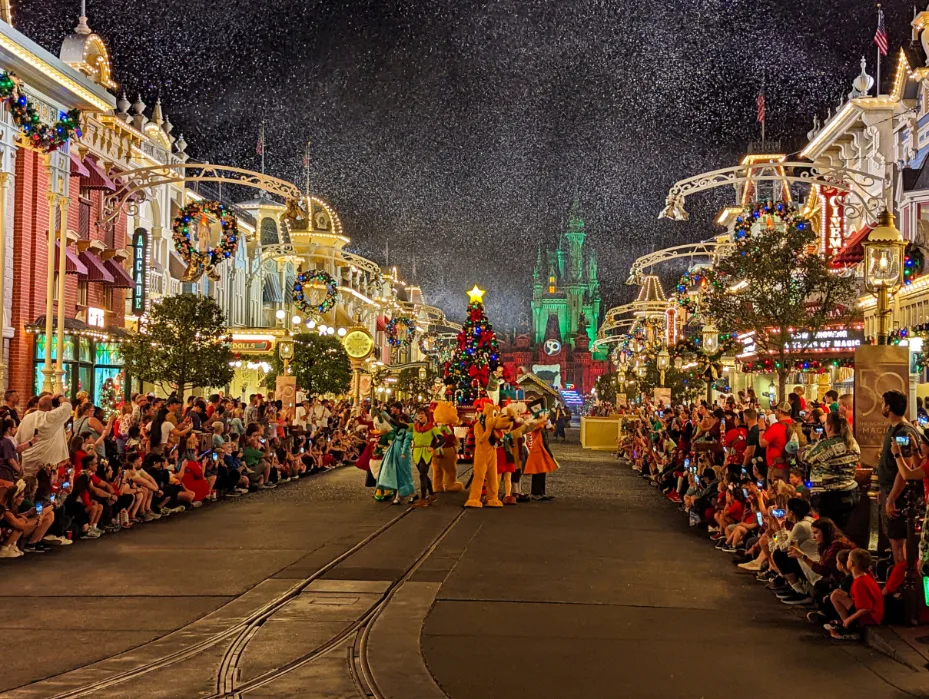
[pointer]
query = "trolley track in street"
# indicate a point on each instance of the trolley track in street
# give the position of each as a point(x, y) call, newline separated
point(239, 635)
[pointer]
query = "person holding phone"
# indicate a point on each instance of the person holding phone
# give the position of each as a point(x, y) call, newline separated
point(900, 449)
point(793, 586)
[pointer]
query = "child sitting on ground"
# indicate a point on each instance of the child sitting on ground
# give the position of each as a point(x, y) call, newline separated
point(863, 605)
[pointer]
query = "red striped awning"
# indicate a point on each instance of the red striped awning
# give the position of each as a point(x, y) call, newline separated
point(852, 252)
point(77, 167)
point(97, 178)
point(121, 278)
point(96, 271)
point(73, 264)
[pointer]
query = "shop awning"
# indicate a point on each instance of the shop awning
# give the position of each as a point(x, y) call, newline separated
point(97, 178)
point(121, 278)
point(289, 279)
point(71, 324)
point(96, 271)
point(852, 253)
point(271, 290)
point(77, 167)
point(73, 264)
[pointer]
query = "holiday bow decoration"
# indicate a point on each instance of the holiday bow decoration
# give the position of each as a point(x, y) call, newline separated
point(482, 374)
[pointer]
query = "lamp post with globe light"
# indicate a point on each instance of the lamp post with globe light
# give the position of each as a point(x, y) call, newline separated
point(883, 268)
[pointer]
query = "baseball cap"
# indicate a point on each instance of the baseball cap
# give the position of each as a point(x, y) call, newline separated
point(784, 408)
point(151, 394)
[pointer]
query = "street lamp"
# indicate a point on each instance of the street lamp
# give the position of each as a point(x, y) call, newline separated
point(664, 361)
point(883, 271)
point(678, 362)
point(285, 349)
point(710, 338)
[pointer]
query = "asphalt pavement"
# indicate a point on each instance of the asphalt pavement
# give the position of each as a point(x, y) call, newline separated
point(602, 592)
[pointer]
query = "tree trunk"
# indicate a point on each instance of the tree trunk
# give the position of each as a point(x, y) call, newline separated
point(781, 384)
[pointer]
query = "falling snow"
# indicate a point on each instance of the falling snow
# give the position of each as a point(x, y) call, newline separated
point(461, 130)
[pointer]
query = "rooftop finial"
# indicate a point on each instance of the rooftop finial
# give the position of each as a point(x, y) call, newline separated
point(82, 27)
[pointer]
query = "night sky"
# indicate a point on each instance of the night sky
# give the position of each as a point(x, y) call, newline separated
point(461, 130)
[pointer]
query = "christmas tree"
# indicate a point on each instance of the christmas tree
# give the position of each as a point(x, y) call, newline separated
point(476, 355)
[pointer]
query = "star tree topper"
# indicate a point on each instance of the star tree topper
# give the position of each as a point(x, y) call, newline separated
point(476, 295)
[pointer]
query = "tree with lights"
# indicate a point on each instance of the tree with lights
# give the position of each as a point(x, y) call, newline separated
point(775, 284)
point(476, 355)
point(184, 344)
point(320, 365)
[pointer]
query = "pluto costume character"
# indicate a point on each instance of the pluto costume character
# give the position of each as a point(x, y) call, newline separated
point(488, 434)
point(445, 459)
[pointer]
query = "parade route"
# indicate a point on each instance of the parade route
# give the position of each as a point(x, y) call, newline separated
point(602, 592)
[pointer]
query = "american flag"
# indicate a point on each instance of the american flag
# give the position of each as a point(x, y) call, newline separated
point(880, 36)
point(759, 103)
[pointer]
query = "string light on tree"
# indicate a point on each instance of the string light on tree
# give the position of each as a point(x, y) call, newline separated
point(913, 263)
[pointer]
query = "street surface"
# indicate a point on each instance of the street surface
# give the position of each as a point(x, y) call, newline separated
point(603, 592)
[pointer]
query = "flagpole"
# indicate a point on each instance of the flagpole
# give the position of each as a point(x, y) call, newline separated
point(306, 164)
point(877, 82)
point(262, 147)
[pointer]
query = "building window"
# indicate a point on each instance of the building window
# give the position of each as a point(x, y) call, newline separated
point(108, 298)
point(82, 292)
point(83, 225)
point(551, 284)
point(55, 288)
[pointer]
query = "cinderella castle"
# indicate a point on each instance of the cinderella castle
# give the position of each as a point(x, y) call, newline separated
point(566, 308)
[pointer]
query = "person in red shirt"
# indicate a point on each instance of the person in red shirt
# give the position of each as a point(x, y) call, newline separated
point(735, 443)
point(799, 390)
point(863, 606)
point(731, 514)
point(775, 439)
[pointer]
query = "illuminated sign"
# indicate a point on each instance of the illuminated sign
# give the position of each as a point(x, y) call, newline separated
point(832, 226)
point(96, 317)
point(822, 341)
point(670, 327)
point(551, 347)
point(251, 346)
point(139, 270)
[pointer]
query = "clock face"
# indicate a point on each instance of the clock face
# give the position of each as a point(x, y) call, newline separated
point(551, 347)
point(358, 344)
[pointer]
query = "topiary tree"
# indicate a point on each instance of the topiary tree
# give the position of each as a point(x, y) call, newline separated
point(775, 284)
point(320, 365)
point(183, 344)
point(607, 387)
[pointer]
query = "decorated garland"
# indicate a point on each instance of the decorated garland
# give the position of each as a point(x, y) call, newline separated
point(768, 214)
point(690, 286)
point(317, 276)
point(429, 345)
point(204, 259)
point(393, 331)
point(24, 114)
point(913, 263)
point(769, 366)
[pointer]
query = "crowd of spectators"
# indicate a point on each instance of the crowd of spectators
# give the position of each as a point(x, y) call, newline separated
point(69, 470)
point(776, 491)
